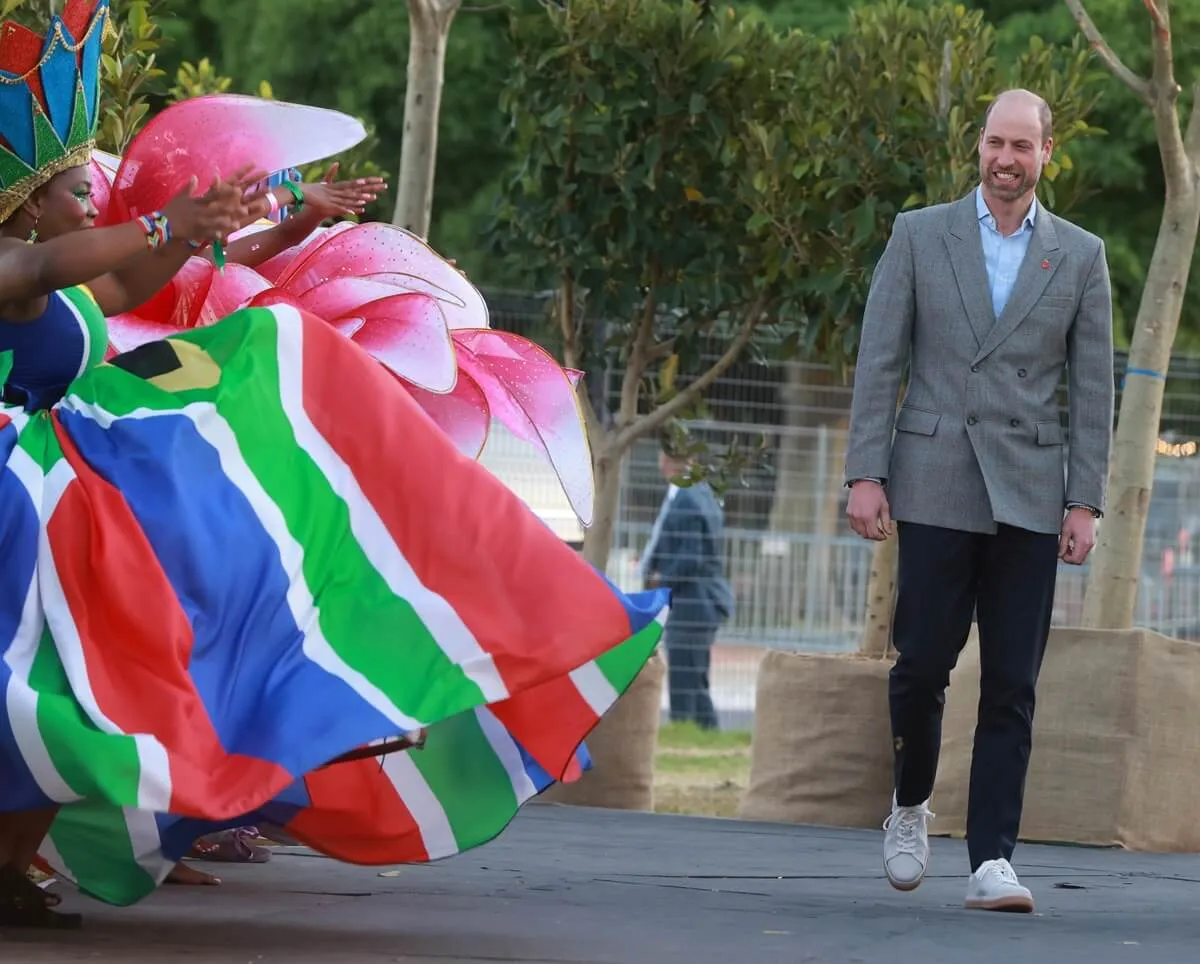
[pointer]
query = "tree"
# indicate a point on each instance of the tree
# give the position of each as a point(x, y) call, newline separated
point(429, 28)
point(632, 120)
point(355, 65)
point(1113, 581)
point(739, 183)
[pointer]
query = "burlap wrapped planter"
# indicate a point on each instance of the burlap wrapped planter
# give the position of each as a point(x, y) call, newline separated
point(622, 747)
point(1116, 739)
point(822, 750)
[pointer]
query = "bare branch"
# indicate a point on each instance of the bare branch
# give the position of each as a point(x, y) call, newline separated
point(640, 351)
point(659, 417)
point(1139, 85)
point(944, 79)
point(1161, 27)
point(662, 349)
point(572, 351)
point(1163, 84)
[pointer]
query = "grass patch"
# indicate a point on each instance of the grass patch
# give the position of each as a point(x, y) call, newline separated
point(700, 772)
point(685, 736)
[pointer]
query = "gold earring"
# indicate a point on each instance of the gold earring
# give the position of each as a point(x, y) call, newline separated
point(33, 235)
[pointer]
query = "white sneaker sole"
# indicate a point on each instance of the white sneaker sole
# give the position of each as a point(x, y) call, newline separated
point(907, 886)
point(1015, 904)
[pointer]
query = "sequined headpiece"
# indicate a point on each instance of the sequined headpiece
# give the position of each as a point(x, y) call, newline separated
point(49, 99)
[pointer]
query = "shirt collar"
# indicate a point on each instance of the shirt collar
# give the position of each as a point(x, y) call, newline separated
point(982, 212)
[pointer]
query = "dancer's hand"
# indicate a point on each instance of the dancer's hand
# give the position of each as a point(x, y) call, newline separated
point(1078, 537)
point(331, 199)
point(223, 209)
point(868, 510)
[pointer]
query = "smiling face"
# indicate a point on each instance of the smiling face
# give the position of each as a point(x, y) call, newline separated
point(1014, 146)
point(64, 204)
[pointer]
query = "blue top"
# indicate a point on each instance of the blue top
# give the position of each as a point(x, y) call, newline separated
point(51, 351)
point(1003, 255)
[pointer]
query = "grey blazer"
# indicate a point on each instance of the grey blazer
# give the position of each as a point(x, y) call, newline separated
point(977, 438)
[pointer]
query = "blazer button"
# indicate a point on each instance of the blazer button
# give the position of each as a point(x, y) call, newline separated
point(975, 369)
point(971, 420)
point(1014, 422)
point(1021, 373)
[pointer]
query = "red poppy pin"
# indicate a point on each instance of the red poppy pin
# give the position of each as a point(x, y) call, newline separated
point(1045, 264)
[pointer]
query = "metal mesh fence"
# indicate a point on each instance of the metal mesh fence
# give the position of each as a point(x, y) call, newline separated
point(798, 574)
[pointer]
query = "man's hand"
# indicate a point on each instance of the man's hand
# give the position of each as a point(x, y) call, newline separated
point(1078, 536)
point(868, 511)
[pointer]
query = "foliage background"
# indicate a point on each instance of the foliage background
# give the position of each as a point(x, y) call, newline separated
point(351, 55)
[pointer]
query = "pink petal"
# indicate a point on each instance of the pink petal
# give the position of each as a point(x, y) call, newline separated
point(181, 302)
point(533, 397)
point(339, 296)
point(385, 253)
point(127, 332)
point(310, 249)
point(408, 334)
point(213, 136)
point(462, 414)
point(273, 296)
point(272, 268)
point(232, 289)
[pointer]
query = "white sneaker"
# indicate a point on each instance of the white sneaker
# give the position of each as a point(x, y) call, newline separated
point(906, 845)
point(994, 886)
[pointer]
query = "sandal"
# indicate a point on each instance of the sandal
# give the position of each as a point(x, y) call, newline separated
point(230, 846)
point(24, 904)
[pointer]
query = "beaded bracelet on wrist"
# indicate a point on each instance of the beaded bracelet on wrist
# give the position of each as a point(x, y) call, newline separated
point(157, 228)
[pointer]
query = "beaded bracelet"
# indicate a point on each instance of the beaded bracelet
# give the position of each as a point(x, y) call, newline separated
point(157, 228)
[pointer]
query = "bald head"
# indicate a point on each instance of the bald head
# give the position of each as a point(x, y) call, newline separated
point(1020, 104)
point(1014, 146)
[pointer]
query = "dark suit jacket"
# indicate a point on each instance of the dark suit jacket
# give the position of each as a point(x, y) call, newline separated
point(689, 559)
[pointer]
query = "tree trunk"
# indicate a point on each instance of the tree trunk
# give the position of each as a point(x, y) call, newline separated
point(429, 26)
point(881, 598)
point(606, 463)
point(1113, 582)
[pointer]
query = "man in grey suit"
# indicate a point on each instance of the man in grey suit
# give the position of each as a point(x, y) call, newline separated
point(686, 554)
point(986, 300)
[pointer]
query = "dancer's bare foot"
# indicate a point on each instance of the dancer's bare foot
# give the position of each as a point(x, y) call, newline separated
point(183, 874)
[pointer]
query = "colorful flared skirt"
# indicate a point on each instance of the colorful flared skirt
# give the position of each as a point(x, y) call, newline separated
point(235, 555)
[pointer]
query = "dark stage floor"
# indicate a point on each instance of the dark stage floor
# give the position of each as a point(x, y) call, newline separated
point(570, 885)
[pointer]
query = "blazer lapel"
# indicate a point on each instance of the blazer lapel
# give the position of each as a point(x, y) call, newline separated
point(966, 257)
point(1041, 262)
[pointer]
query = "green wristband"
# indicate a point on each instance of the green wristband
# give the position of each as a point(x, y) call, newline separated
point(294, 189)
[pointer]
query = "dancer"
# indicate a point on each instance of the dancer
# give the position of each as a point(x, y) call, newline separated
point(241, 565)
point(987, 300)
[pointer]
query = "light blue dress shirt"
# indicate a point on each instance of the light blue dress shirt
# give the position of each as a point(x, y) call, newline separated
point(1003, 255)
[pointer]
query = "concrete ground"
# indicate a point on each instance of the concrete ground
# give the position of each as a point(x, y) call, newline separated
point(570, 885)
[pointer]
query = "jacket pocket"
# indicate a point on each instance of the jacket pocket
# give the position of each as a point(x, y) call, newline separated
point(1050, 433)
point(917, 421)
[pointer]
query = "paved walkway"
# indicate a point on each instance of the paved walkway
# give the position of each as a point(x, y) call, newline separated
point(592, 887)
